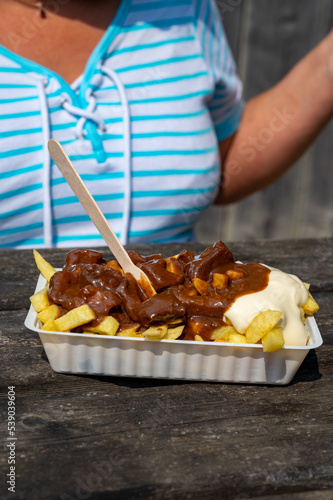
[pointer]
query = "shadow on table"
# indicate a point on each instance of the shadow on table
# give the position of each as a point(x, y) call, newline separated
point(309, 369)
point(134, 382)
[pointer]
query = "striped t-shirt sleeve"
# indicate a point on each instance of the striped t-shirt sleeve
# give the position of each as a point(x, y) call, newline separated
point(226, 104)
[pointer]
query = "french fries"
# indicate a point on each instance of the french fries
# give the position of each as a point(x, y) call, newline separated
point(108, 326)
point(237, 338)
point(174, 333)
point(198, 338)
point(273, 340)
point(114, 265)
point(130, 332)
point(155, 332)
point(262, 324)
point(265, 329)
point(311, 306)
point(200, 285)
point(223, 333)
point(220, 281)
point(51, 312)
point(50, 326)
point(74, 318)
point(40, 300)
point(45, 268)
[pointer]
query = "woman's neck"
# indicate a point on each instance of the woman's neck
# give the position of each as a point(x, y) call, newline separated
point(62, 40)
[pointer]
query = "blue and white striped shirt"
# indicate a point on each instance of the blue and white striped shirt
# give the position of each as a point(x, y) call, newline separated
point(141, 126)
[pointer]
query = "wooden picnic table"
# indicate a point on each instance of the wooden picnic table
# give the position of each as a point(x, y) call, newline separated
point(95, 437)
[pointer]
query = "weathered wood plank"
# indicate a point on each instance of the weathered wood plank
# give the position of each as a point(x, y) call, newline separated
point(316, 216)
point(207, 433)
point(232, 14)
point(281, 32)
point(304, 495)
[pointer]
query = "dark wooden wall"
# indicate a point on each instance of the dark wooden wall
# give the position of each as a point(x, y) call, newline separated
point(267, 38)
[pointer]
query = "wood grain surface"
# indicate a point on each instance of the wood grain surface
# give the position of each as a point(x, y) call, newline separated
point(89, 437)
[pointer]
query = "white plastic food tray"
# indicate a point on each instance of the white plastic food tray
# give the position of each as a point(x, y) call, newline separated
point(170, 359)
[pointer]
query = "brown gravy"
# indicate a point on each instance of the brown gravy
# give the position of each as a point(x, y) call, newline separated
point(86, 278)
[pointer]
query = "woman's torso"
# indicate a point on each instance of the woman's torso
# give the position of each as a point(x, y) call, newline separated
point(151, 184)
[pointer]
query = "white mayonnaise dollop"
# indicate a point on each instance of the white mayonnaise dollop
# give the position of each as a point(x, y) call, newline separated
point(285, 293)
